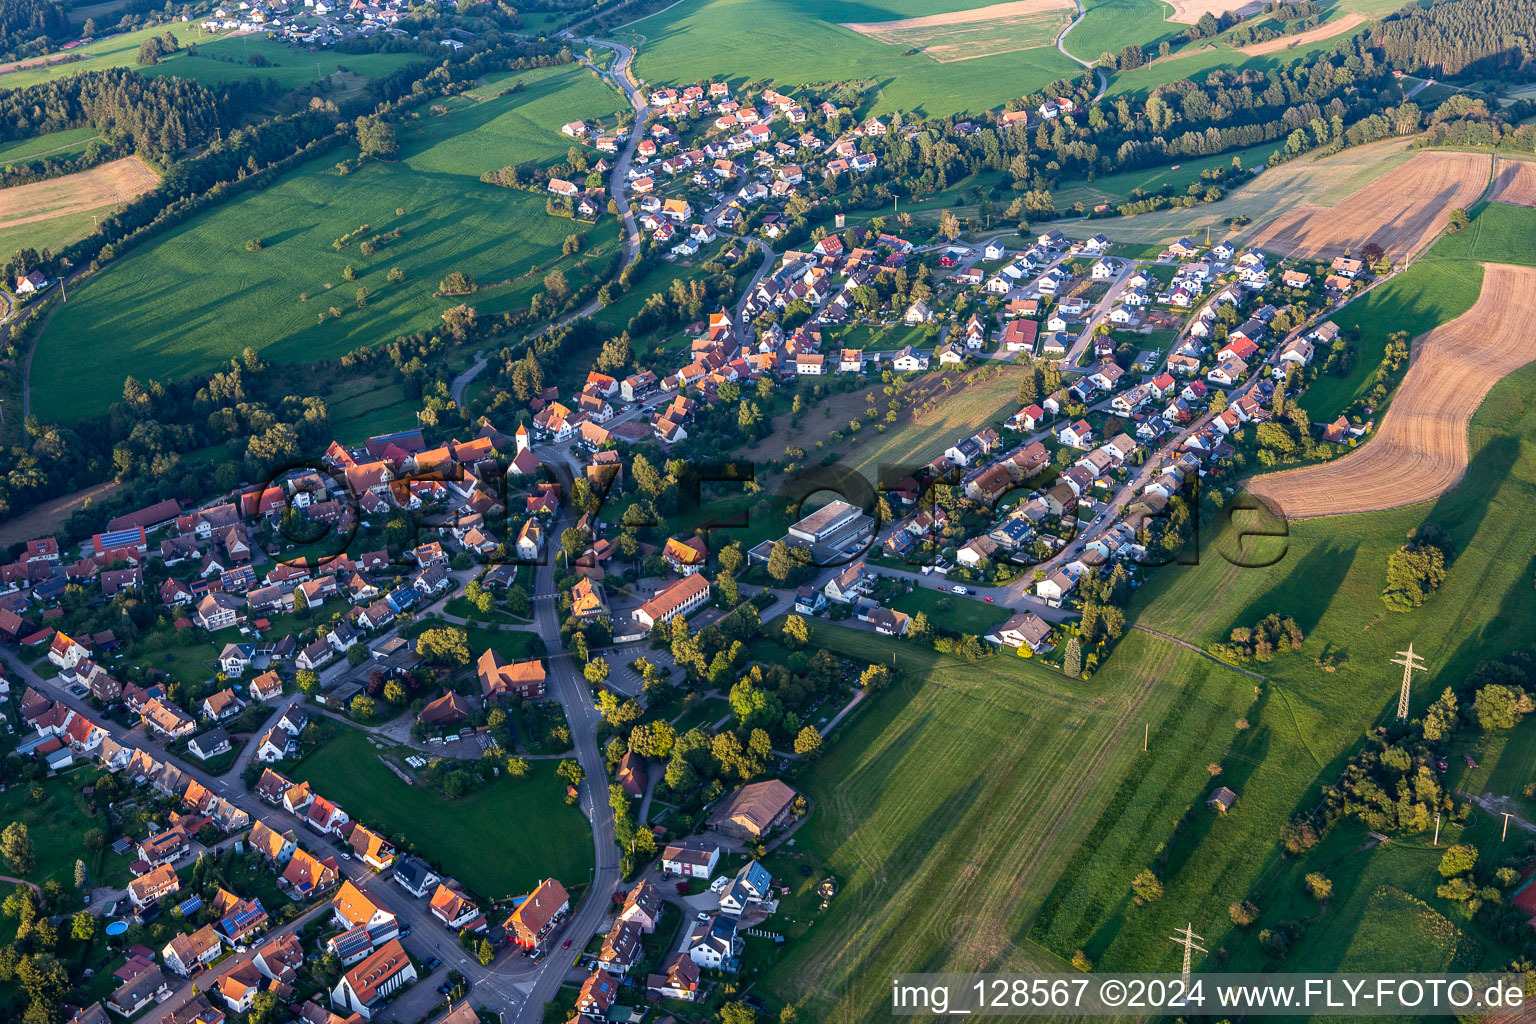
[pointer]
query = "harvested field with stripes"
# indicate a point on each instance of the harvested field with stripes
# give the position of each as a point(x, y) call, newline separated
point(1420, 450)
point(105, 185)
point(1401, 212)
point(966, 35)
point(1515, 183)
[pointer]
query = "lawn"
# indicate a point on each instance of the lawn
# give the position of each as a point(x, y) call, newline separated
point(888, 337)
point(1431, 292)
point(964, 787)
point(57, 824)
point(951, 612)
point(377, 408)
point(1328, 574)
point(475, 837)
point(120, 323)
point(788, 42)
point(703, 715)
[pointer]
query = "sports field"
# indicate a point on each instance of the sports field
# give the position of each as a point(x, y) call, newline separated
point(946, 810)
point(472, 837)
point(1328, 575)
point(792, 42)
point(123, 322)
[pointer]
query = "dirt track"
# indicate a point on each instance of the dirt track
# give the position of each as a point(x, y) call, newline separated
point(1420, 450)
point(1311, 35)
point(1401, 212)
point(1515, 183)
point(106, 185)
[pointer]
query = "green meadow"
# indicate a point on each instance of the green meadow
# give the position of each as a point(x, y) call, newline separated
point(1499, 233)
point(796, 42)
point(459, 835)
point(1328, 575)
point(164, 311)
point(1435, 290)
point(221, 58)
point(948, 805)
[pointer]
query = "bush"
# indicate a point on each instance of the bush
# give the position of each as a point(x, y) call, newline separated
point(1243, 914)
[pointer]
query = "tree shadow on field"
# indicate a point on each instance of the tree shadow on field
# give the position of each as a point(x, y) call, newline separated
point(1307, 589)
point(1461, 510)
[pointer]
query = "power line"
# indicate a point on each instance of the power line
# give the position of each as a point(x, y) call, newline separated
point(1191, 942)
point(1410, 662)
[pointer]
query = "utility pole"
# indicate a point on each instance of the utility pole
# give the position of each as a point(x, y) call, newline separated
point(1505, 834)
point(1146, 736)
point(1437, 828)
point(1410, 662)
point(1191, 942)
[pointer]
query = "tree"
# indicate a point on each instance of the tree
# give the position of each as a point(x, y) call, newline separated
point(796, 633)
point(444, 645)
point(1243, 914)
point(949, 226)
point(357, 654)
point(394, 693)
point(307, 679)
point(1496, 707)
point(363, 707)
point(149, 52)
point(376, 138)
point(1319, 886)
point(737, 1013)
point(596, 671)
point(1072, 658)
point(875, 678)
point(1147, 887)
point(81, 877)
point(517, 767)
point(1414, 571)
point(808, 743)
point(1458, 860)
point(16, 847)
point(1457, 219)
point(571, 771)
point(265, 1009)
point(83, 926)
point(779, 564)
point(485, 952)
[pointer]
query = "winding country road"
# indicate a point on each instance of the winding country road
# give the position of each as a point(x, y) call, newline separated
point(1061, 44)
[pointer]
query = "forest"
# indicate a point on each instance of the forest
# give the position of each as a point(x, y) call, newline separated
point(27, 26)
point(1483, 38)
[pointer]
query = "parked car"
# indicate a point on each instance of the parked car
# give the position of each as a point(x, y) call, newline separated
point(431, 965)
point(958, 589)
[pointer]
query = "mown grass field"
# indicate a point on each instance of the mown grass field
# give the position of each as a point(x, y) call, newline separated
point(58, 145)
point(164, 310)
point(1499, 233)
point(1431, 292)
point(790, 42)
point(469, 836)
point(221, 58)
point(951, 611)
point(914, 440)
point(1110, 25)
point(946, 809)
point(57, 824)
point(1328, 575)
point(1305, 181)
point(1178, 175)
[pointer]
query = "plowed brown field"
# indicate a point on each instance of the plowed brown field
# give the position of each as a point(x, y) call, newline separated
point(1400, 211)
point(1188, 12)
point(1515, 183)
point(1420, 450)
point(115, 182)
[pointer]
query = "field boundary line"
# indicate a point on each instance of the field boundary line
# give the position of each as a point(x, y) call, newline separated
point(1207, 655)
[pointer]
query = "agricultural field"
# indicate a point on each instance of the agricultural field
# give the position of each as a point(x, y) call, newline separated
point(1420, 449)
point(964, 787)
point(968, 35)
point(1499, 233)
point(1514, 181)
point(1321, 181)
point(1429, 293)
point(964, 409)
point(54, 212)
point(1402, 211)
point(63, 145)
point(1110, 25)
point(1328, 575)
point(221, 58)
point(452, 833)
point(285, 292)
point(1176, 177)
point(788, 42)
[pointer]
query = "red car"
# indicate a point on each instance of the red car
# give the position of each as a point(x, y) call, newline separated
point(566, 944)
point(989, 600)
